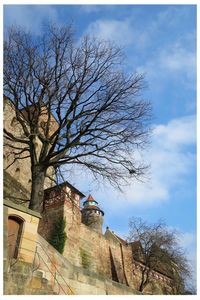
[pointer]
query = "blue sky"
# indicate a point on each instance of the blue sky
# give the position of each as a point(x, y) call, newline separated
point(160, 41)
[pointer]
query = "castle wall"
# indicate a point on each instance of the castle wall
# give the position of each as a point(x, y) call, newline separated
point(108, 257)
point(20, 169)
point(28, 236)
point(40, 270)
point(91, 263)
point(94, 252)
point(81, 280)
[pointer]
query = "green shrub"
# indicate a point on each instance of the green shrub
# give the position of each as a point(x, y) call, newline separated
point(58, 235)
point(85, 258)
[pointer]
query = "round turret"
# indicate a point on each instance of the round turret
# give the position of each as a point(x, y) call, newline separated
point(92, 215)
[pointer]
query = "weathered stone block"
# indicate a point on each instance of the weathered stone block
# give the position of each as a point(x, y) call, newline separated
point(35, 283)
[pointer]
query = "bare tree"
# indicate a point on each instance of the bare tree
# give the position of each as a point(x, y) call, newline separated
point(74, 98)
point(159, 250)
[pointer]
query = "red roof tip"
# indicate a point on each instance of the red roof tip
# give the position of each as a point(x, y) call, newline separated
point(90, 198)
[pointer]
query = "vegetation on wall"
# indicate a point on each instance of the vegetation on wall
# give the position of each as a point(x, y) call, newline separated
point(58, 236)
point(85, 258)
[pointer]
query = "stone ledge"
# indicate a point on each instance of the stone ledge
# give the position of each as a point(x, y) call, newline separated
point(21, 208)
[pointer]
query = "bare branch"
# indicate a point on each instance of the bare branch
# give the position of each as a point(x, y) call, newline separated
point(158, 250)
point(76, 102)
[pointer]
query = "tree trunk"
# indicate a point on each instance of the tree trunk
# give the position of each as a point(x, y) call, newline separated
point(37, 190)
point(142, 283)
point(144, 280)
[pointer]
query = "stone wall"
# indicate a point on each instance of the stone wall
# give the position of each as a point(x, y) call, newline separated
point(93, 218)
point(103, 255)
point(20, 169)
point(21, 280)
point(28, 236)
point(40, 270)
point(14, 190)
point(80, 280)
point(91, 263)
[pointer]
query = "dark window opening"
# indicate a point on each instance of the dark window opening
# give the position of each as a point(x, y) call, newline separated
point(13, 122)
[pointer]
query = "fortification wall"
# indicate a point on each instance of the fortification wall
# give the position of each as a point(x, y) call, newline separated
point(20, 168)
point(39, 269)
point(83, 281)
point(91, 263)
point(103, 255)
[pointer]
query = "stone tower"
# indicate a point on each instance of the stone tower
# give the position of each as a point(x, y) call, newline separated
point(92, 215)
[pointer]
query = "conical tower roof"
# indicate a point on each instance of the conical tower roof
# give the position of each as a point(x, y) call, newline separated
point(90, 198)
point(91, 204)
point(90, 201)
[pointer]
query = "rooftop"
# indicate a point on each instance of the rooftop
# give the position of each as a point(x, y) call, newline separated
point(66, 183)
point(90, 198)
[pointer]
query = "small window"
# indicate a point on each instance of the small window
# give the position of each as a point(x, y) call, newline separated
point(17, 173)
point(13, 122)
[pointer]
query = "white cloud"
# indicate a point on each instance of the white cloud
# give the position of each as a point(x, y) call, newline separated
point(188, 240)
point(172, 56)
point(177, 133)
point(178, 59)
point(170, 162)
point(172, 63)
point(90, 8)
point(118, 31)
point(166, 58)
point(31, 17)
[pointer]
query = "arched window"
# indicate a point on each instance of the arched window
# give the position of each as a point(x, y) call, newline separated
point(15, 225)
point(17, 173)
point(13, 122)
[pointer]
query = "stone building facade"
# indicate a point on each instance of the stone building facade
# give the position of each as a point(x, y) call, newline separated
point(20, 169)
point(87, 247)
point(92, 262)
